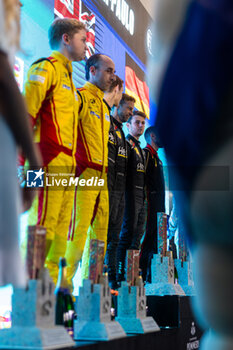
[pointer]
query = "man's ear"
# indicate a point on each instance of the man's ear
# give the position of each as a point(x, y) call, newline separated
point(92, 70)
point(65, 39)
point(152, 136)
point(116, 90)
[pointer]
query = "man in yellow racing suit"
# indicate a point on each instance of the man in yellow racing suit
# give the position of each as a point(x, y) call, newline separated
point(52, 104)
point(91, 207)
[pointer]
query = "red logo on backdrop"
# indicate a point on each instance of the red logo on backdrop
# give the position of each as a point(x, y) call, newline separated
point(66, 8)
point(76, 9)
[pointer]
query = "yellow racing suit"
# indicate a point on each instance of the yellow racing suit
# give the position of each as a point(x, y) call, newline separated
point(52, 104)
point(91, 208)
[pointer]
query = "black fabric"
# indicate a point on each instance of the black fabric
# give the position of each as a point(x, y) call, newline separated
point(116, 213)
point(112, 152)
point(136, 167)
point(155, 195)
point(117, 156)
point(150, 241)
point(154, 175)
point(133, 223)
point(134, 215)
point(117, 167)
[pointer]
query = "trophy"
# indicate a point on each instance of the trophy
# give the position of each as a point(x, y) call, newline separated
point(185, 276)
point(163, 279)
point(33, 308)
point(94, 302)
point(33, 318)
point(131, 300)
point(36, 245)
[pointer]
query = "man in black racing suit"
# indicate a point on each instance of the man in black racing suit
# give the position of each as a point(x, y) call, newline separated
point(117, 167)
point(155, 195)
point(134, 215)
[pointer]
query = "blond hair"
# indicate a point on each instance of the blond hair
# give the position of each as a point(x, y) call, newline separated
point(62, 26)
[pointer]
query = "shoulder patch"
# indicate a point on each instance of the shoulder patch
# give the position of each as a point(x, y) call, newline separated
point(37, 77)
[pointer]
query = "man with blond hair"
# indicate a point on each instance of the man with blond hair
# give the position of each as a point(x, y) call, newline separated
point(52, 104)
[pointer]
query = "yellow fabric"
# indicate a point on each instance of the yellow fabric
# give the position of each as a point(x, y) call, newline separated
point(52, 102)
point(56, 211)
point(82, 217)
point(51, 98)
point(94, 124)
point(92, 151)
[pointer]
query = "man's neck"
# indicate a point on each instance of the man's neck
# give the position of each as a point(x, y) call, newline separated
point(64, 52)
point(154, 146)
point(94, 83)
point(116, 116)
point(109, 99)
point(136, 137)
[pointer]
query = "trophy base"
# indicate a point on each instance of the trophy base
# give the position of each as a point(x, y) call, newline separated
point(97, 331)
point(189, 290)
point(138, 325)
point(35, 338)
point(164, 289)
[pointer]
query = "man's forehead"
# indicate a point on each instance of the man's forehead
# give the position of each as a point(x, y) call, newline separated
point(129, 103)
point(108, 62)
point(81, 33)
point(138, 117)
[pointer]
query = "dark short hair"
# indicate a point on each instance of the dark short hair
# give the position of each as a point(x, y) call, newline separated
point(62, 26)
point(150, 130)
point(117, 82)
point(139, 113)
point(126, 98)
point(94, 60)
